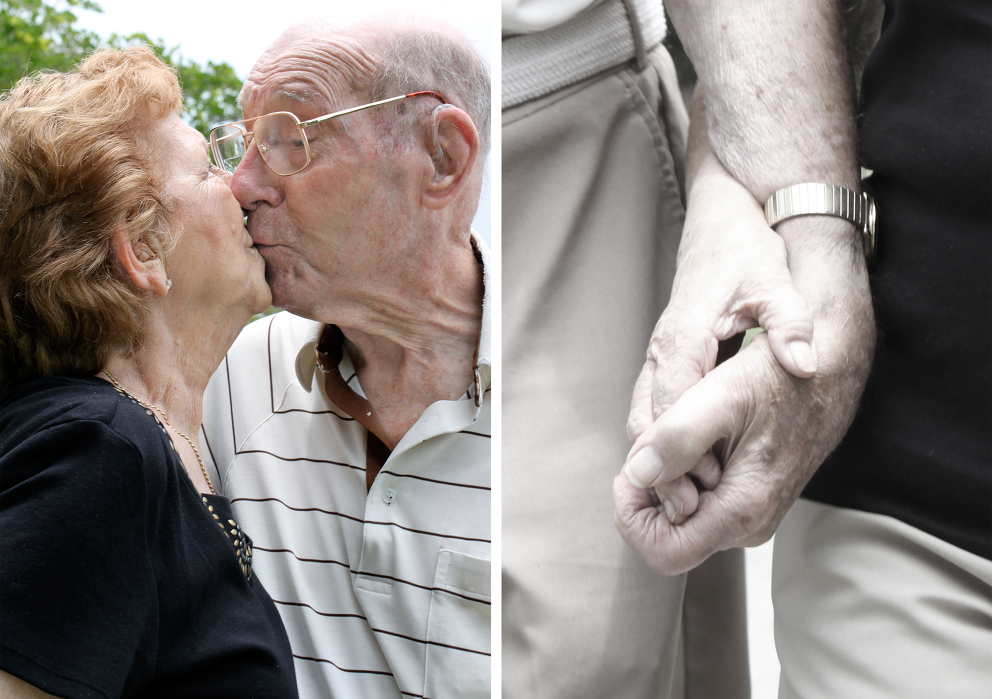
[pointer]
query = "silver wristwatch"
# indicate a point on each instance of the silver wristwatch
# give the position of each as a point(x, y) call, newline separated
point(828, 200)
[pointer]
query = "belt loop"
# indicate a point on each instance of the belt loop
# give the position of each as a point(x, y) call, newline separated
point(640, 50)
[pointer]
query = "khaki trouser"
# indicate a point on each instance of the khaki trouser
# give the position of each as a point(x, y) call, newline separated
point(592, 214)
point(868, 606)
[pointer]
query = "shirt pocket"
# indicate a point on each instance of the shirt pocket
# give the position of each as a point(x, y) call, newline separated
point(458, 658)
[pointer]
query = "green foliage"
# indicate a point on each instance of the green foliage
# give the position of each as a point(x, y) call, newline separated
point(37, 34)
point(40, 35)
point(270, 311)
point(211, 92)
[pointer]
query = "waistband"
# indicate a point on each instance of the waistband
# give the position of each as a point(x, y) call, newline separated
point(602, 37)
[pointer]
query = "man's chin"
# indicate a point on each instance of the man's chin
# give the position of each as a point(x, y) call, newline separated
point(279, 292)
point(290, 291)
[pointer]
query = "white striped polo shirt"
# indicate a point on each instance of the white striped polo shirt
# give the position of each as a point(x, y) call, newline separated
point(384, 593)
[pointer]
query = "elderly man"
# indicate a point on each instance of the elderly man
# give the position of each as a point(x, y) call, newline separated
point(353, 433)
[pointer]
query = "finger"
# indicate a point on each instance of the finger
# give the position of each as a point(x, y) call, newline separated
point(678, 498)
point(634, 504)
point(641, 415)
point(642, 524)
point(707, 471)
point(677, 440)
point(648, 531)
point(672, 548)
point(788, 324)
point(738, 512)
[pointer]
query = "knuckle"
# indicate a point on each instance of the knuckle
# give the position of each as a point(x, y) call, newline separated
point(635, 427)
point(664, 340)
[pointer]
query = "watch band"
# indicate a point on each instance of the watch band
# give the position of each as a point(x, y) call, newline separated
point(825, 199)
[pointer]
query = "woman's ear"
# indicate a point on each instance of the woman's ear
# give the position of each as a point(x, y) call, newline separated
point(140, 262)
point(454, 150)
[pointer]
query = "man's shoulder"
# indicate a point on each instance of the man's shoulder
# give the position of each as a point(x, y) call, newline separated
point(266, 352)
point(250, 383)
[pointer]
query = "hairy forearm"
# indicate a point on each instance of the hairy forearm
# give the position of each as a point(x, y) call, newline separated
point(777, 88)
point(818, 246)
point(824, 256)
point(778, 95)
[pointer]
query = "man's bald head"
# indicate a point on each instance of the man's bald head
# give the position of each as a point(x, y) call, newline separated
point(376, 59)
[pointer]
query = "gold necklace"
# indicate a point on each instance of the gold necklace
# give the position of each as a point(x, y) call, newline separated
point(161, 412)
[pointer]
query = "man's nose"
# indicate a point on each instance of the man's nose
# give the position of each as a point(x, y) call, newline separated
point(253, 182)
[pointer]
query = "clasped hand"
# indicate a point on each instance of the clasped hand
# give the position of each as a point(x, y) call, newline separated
point(720, 452)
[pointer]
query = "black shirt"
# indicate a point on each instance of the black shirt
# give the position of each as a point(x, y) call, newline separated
point(116, 577)
point(920, 449)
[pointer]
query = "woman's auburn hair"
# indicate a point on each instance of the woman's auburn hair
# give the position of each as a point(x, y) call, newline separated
point(77, 162)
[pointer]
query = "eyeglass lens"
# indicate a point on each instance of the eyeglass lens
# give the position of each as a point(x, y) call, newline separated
point(280, 141)
point(228, 144)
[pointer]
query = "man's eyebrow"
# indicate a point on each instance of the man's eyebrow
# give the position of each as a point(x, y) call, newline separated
point(303, 96)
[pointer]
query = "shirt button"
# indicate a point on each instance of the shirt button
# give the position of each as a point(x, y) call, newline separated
point(388, 496)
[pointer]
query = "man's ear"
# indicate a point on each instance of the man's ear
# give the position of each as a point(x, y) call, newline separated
point(453, 152)
point(140, 262)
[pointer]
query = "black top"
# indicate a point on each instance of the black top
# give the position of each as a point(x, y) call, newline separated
point(920, 448)
point(116, 579)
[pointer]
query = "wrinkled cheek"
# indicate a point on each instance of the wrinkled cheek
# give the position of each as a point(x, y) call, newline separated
point(274, 269)
point(283, 274)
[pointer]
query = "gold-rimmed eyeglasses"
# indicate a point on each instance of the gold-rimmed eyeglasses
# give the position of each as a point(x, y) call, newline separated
point(280, 137)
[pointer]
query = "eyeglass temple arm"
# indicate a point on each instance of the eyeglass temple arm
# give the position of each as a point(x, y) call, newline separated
point(366, 106)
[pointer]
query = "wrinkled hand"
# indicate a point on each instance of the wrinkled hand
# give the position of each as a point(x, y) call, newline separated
point(729, 448)
point(732, 275)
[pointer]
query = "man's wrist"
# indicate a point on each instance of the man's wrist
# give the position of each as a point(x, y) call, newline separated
point(826, 241)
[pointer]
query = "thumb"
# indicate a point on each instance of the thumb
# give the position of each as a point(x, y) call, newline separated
point(681, 436)
point(788, 324)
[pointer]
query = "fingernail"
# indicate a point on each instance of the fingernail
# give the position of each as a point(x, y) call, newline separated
point(643, 468)
point(802, 355)
point(671, 511)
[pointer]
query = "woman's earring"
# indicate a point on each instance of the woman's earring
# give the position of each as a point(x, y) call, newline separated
point(168, 283)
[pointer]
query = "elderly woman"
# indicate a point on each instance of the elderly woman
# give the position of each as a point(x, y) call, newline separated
point(125, 274)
